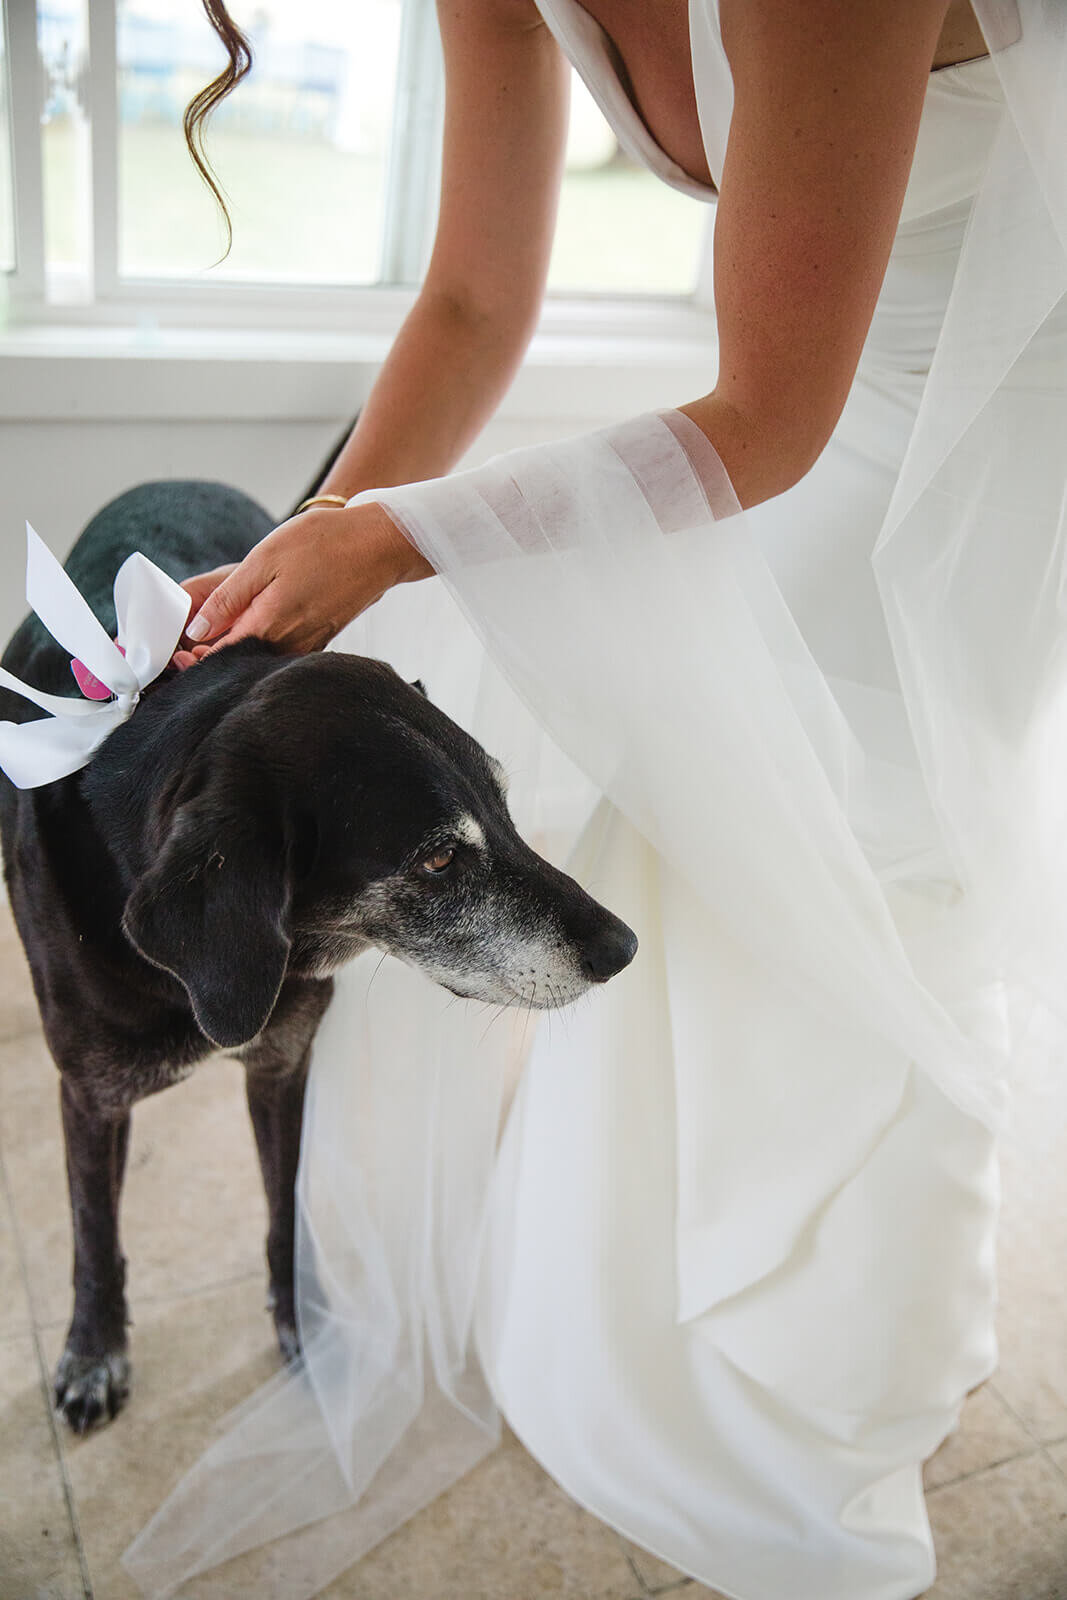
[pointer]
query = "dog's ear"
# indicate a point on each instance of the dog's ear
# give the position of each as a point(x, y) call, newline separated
point(213, 910)
point(417, 683)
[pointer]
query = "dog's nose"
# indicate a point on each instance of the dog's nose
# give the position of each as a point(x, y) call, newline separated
point(608, 951)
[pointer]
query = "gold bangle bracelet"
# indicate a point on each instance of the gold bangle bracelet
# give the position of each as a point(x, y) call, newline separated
point(336, 500)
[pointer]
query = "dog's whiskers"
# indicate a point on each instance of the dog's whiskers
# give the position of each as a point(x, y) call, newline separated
point(525, 1028)
point(495, 1018)
point(375, 973)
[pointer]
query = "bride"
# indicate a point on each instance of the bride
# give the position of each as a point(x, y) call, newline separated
point(784, 668)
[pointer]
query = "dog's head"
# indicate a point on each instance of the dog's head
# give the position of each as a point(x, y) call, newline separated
point(334, 807)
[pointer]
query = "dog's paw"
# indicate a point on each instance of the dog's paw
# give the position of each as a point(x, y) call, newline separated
point(91, 1389)
point(280, 1305)
point(288, 1341)
point(284, 1315)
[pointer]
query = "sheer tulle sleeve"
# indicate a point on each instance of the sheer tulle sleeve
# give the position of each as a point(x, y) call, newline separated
point(645, 631)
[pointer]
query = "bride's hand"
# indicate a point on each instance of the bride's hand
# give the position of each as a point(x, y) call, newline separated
point(302, 583)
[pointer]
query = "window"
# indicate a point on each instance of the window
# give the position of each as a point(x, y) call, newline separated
point(301, 148)
point(329, 154)
point(65, 141)
point(620, 230)
point(7, 219)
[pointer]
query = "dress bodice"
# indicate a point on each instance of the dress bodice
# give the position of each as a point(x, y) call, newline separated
point(959, 117)
point(593, 57)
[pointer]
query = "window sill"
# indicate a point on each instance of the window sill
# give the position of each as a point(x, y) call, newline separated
point(588, 358)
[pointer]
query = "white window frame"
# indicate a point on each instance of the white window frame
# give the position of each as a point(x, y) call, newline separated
point(26, 283)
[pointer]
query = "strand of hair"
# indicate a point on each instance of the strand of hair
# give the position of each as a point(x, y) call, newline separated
point(238, 65)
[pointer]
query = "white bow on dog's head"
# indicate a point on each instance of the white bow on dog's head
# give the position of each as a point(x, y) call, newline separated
point(151, 610)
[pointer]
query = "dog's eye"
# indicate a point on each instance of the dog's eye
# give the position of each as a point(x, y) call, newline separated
point(440, 861)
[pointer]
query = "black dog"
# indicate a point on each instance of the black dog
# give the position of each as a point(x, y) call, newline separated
point(259, 820)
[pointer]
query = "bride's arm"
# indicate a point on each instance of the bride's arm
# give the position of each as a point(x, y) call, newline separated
point(827, 101)
point(455, 356)
point(507, 86)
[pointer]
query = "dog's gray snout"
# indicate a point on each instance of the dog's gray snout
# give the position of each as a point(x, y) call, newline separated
point(608, 951)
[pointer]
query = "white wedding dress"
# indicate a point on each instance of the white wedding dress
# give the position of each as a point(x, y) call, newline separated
point(730, 1273)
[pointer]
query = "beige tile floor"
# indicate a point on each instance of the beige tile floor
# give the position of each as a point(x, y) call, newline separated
point(68, 1507)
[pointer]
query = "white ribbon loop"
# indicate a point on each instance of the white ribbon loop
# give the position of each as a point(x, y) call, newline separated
point(151, 610)
point(69, 620)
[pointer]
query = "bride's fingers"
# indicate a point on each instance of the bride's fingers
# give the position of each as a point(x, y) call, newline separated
point(222, 609)
point(202, 584)
point(257, 620)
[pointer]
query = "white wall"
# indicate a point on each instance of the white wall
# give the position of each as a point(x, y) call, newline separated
point(80, 424)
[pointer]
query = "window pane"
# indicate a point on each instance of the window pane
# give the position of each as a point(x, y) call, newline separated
point(299, 147)
point(620, 229)
point(62, 30)
point(7, 220)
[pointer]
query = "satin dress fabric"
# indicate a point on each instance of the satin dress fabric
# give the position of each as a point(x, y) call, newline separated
point(769, 1438)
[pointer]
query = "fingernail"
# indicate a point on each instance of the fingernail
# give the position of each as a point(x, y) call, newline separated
point(198, 628)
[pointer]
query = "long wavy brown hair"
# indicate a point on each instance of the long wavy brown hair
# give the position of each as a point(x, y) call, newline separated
point(200, 107)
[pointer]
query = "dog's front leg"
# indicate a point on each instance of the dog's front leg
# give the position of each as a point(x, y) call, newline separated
point(92, 1378)
point(275, 1105)
point(276, 1068)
